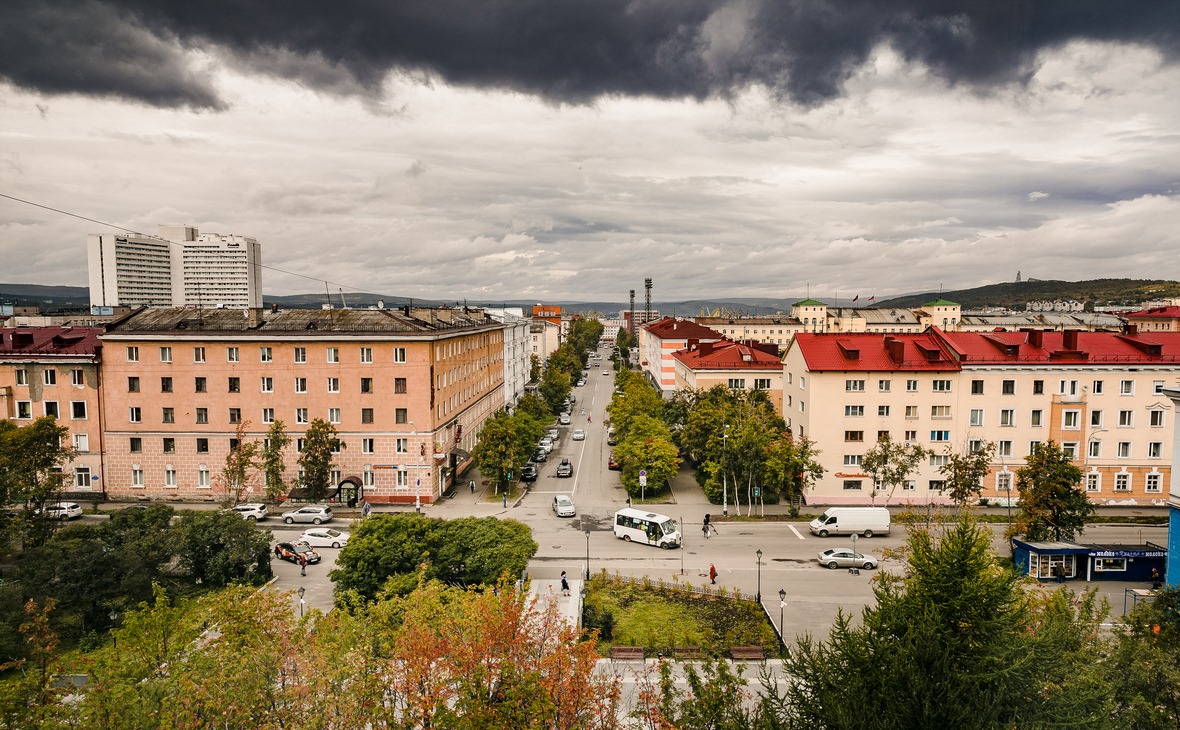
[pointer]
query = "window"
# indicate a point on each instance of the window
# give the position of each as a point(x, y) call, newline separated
point(940, 436)
point(403, 478)
point(911, 411)
point(199, 385)
point(77, 377)
point(1067, 387)
point(1004, 481)
point(402, 446)
point(300, 385)
point(167, 415)
point(333, 385)
point(333, 415)
point(78, 410)
point(399, 354)
point(203, 477)
point(883, 411)
point(937, 485)
point(1157, 419)
point(333, 354)
point(882, 435)
point(1122, 482)
point(367, 445)
point(367, 415)
point(1155, 449)
point(737, 383)
point(22, 377)
point(974, 446)
point(49, 377)
point(51, 409)
point(300, 354)
point(854, 411)
point(169, 477)
point(911, 436)
point(366, 385)
point(1157, 387)
point(299, 444)
point(1038, 387)
point(82, 442)
point(911, 386)
point(854, 386)
point(265, 354)
point(134, 414)
point(1069, 449)
point(942, 386)
point(1093, 482)
point(165, 385)
point(852, 485)
point(1126, 419)
point(165, 354)
point(401, 415)
point(399, 385)
point(137, 477)
point(1154, 483)
point(1071, 420)
point(1007, 417)
point(854, 435)
point(202, 415)
point(1034, 447)
point(133, 384)
point(976, 417)
point(132, 354)
point(301, 415)
point(1126, 387)
point(1095, 418)
point(976, 387)
point(1004, 448)
point(1095, 448)
point(940, 411)
point(937, 460)
point(369, 478)
point(1124, 451)
point(235, 415)
point(909, 485)
point(852, 459)
point(136, 444)
point(202, 445)
point(759, 383)
point(366, 354)
point(268, 415)
point(1096, 387)
point(82, 477)
point(883, 386)
point(169, 445)
point(198, 354)
point(231, 354)
point(235, 384)
point(1008, 387)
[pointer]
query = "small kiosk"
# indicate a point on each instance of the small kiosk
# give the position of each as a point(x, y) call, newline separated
point(1049, 560)
point(1070, 561)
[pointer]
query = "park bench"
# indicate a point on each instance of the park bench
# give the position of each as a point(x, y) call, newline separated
point(623, 653)
point(688, 652)
point(747, 652)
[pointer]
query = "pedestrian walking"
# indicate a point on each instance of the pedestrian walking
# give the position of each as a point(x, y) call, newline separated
point(1155, 579)
point(712, 574)
point(705, 525)
point(472, 485)
point(565, 584)
point(589, 419)
point(302, 565)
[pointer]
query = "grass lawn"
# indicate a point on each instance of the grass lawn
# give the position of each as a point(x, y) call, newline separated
point(664, 616)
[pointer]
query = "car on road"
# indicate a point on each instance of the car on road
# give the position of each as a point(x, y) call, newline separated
point(580, 383)
point(846, 558)
point(540, 456)
point(606, 372)
point(63, 511)
point(324, 537)
point(579, 435)
point(553, 433)
point(254, 511)
point(564, 419)
point(546, 444)
point(563, 506)
point(291, 551)
point(314, 513)
point(565, 468)
point(528, 473)
point(612, 464)
point(610, 436)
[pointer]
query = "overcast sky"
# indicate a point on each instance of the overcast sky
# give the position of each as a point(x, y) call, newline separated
point(566, 149)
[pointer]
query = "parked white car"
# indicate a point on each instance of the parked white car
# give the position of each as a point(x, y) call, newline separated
point(313, 513)
point(63, 511)
point(579, 435)
point(846, 558)
point(546, 445)
point(564, 419)
point(324, 537)
point(563, 506)
point(251, 511)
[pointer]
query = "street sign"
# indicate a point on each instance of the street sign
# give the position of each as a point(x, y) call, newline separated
point(643, 472)
point(642, 479)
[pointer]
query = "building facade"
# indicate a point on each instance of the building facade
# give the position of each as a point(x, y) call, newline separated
point(737, 366)
point(658, 340)
point(517, 351)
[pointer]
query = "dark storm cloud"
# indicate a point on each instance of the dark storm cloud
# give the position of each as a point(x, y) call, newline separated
point(561, 50)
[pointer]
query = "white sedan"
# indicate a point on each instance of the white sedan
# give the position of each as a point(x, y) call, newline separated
point(579, 435)
point(606, 372)
point(563, 506)
point(324, 537)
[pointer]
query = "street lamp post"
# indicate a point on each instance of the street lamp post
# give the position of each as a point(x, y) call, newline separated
point(301, 601)
point(782, 604)
point(759, 595)
point(587, 554)
point(724, 485)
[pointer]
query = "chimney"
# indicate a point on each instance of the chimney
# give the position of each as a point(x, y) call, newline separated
point(895, 349)
point(1069, 339)
point(1132, 330)
point(1036, 338)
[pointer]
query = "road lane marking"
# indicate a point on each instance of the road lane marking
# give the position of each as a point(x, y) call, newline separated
point(792, 529)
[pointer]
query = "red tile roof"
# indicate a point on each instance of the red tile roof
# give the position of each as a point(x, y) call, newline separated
point(1154, 313)
point(870, 351)
point(727, 355)
point(1061, 347)
point(32, 343)
point(670, 328)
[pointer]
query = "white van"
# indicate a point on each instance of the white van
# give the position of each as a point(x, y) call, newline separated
point(867, 521)
point(649, 528)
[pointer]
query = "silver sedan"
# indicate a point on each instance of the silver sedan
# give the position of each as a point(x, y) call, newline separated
point(846, 558)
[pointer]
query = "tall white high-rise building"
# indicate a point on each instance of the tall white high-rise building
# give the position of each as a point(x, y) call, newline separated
point(180, 266)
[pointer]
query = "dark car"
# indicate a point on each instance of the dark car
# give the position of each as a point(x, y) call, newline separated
point(528, 473)
point(292, 550)
point(565, 468)
point(539, 455)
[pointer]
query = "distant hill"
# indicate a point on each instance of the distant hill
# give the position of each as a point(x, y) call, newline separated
point(45, 296)
point(1105, 292)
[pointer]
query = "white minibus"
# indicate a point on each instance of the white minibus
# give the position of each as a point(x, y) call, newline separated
point(636, 525)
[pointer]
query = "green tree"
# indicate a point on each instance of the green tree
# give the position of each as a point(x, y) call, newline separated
point(240, 461)
point(534, 368)
point(536, 407)
point(891, 463)
point(220, 548)
point(319, 443)
point(555, 386)
point(955, 642)
point(647, 445)
point(503, 446)
point(792, 466)
point(964, 472)
point(1052, 503)
point(31, 461)
point(1144, 665)
point(274, 465)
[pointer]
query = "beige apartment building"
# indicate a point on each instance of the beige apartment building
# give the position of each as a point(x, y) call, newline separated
point(658, 340)
point(1097, 394)
point(774, 330)
point(737, 366)
point(407, 391)
point(54, 371)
